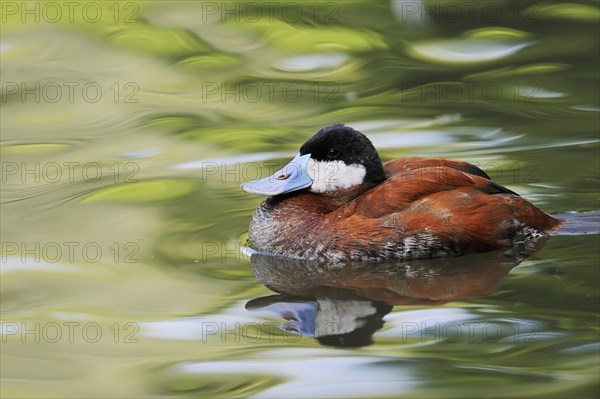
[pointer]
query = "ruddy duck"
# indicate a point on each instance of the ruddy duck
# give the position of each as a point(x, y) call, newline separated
point(336, 202)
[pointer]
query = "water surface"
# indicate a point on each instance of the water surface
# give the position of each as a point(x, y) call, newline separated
point(127, 129)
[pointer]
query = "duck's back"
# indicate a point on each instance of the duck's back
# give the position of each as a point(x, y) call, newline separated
point(434, 207)
point(403, 165)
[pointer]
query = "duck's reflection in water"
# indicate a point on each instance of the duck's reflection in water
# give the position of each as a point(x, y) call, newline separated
point(343, 305)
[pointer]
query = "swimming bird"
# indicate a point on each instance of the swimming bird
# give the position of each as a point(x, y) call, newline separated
point(337, 202)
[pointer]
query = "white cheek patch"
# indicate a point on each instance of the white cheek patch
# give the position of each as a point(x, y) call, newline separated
point(334, 175)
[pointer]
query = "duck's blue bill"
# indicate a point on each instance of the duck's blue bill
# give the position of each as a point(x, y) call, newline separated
point(291, 177)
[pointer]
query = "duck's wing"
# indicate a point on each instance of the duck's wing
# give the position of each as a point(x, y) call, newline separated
point(404, 165)
point(436, 211)
point(410, 183)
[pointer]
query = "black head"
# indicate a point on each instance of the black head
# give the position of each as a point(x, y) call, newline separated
point(342, 143)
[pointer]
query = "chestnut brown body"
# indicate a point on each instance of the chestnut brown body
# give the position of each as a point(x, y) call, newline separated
point(424, 208)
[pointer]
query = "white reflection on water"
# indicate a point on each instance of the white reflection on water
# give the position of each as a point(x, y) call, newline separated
point(192, 328)
point(6, 47)
point(242, 158)
point(205, 327)
point(465, 51)
point(424, 324)
point(11, 264)
point(311, 62)
point(143, 153)
point(515, 148)
point(583, 349)
point(587, 108)
point(367, 126)
point(410, 139)
point(540, 93)
point(315, 373)
point(454, 324)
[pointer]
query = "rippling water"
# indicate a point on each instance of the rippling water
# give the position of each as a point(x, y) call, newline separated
point(127, 128)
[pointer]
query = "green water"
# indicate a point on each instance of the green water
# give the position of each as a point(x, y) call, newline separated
point(127, 128)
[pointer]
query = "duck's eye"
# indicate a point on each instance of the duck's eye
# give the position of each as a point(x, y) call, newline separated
point(333, 153)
